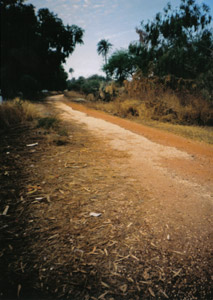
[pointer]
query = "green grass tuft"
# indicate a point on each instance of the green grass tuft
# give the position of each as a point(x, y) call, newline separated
point(48, 122)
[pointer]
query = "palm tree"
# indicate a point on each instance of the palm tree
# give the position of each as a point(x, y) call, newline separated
point(71, 70)
point(103, 48)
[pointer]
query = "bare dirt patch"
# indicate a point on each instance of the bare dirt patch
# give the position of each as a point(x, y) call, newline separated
point(152, 239)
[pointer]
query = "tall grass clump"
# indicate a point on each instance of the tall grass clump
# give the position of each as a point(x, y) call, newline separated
point(54, 129)
point(48, 123)
point(158, 101)
point(15, 112)
point(73, 95)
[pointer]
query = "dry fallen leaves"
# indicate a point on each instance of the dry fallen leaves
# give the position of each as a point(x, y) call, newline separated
point(123, 288)
point(151, 292)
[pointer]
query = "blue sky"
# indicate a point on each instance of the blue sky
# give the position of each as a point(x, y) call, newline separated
point(114, 20)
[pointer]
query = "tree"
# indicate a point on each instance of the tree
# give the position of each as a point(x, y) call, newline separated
point(177, 42)
point(103, 48)
point(88, 85)
point(33, 48)
point(120, 65)
point(71, 70)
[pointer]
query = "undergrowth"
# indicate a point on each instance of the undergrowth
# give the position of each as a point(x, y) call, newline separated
point(48, 122)
point(157, 101)
point(199, 133)
point(73, 95)
point(136, 110)
point(16, 111)
point(154, 103)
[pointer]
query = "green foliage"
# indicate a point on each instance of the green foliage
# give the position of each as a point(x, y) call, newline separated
point(28, 85)
point(71, 70)
point(63, 132)
point(47, 122)
point(103, 48)
point(88, 85)
point(53, 125)
point(34, 46)
point(120, 65)
point(178, 42)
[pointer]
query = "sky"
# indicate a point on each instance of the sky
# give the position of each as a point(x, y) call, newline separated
point(114, 20)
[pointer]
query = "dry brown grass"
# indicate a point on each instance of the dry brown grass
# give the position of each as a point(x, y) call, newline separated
point(199, 133)
point(17, 111)
point(53, 249)
point(138, 111)
point(153, 103)
point(73, 95)
point(180, 106)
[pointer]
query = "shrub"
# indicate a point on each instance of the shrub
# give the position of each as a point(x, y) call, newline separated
point(87, 86)
point(48, 122)
point(159, 102)
point(72, 94)
point(16, 111)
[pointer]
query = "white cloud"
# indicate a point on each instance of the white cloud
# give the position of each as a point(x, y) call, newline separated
point(76, 6)
point(82, 23)
point(119, 34)
point(65, 6)
point(98, 5)
point(86, 3)
point(114, 5)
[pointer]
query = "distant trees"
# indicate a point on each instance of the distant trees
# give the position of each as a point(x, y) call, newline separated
point(177, 42)
point(103, 48)
point(88, 85)
point(71, 70)
point(119, 65)
point(33, 48)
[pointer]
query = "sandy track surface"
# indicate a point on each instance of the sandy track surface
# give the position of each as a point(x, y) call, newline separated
point(176, 173)
point(150, 194)
point(176, 177)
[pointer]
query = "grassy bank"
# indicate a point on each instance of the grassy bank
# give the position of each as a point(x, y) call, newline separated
point(16, 112)
point(127, 109)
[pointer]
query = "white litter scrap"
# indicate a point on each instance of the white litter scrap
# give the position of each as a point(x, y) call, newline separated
point(39, 198)
point(32, 145)
point(93, 214)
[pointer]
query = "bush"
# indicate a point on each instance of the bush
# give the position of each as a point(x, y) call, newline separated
point(73, 94)
point(16, 111)
point(48, 122)
point(87, 86)
point(159, 102)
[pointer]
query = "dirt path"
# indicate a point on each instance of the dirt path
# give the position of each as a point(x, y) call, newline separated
point(181, 180)
point(175, 172)
point(152, 191)
point(201, 152)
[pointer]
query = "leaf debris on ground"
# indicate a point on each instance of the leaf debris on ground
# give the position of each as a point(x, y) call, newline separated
point(53, 249)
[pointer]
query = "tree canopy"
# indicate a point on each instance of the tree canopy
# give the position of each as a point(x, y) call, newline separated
point(177, 42)
point(88, 85)
point(103, 48)
point(119, 65)
point(33, 48)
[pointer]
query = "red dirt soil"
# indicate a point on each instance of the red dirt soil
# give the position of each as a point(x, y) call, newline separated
point(201, 168)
